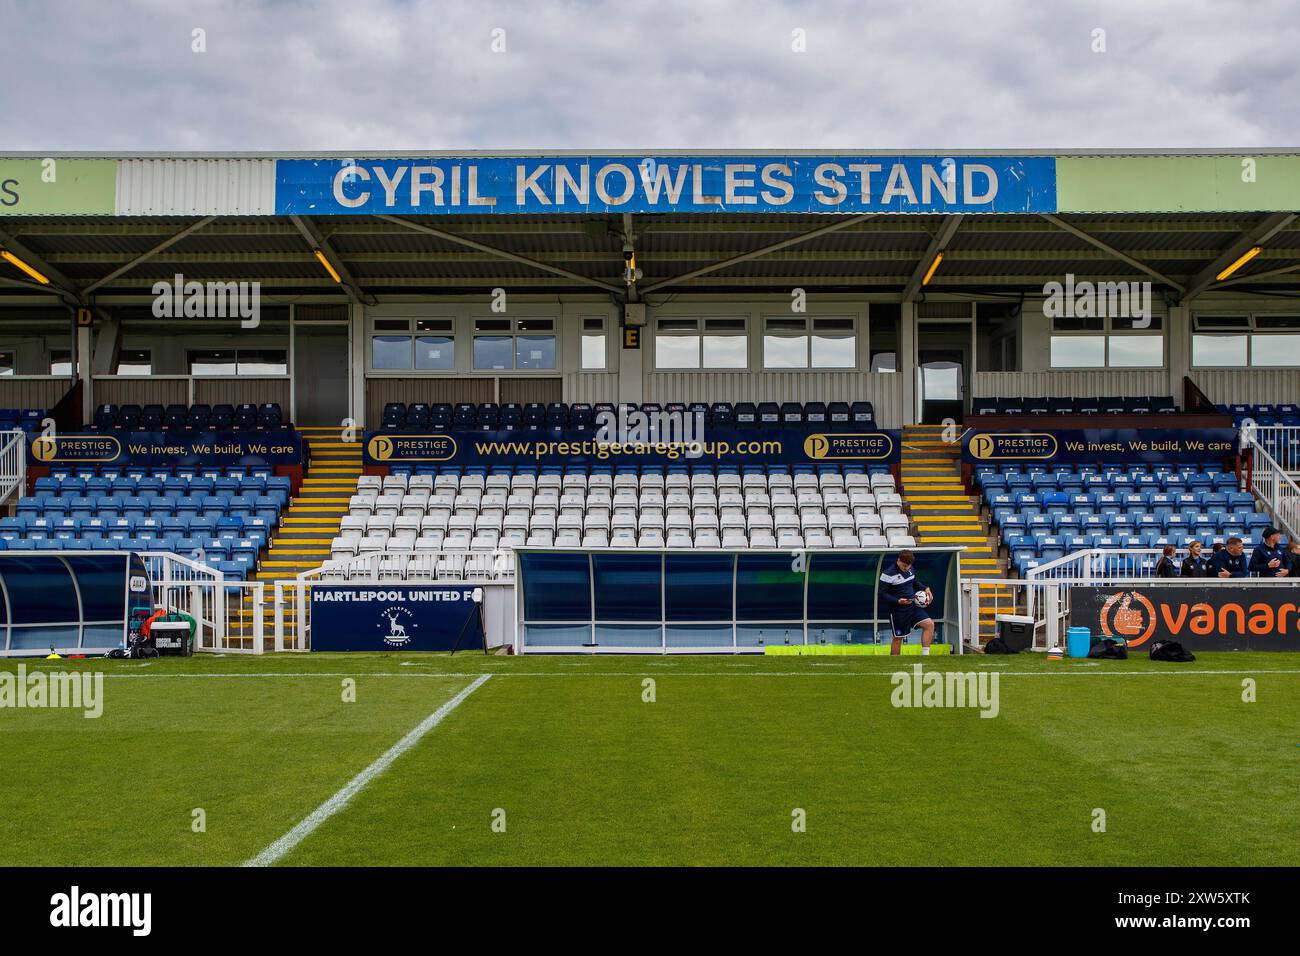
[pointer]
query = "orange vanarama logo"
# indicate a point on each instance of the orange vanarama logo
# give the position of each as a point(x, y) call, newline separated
point(1130, 616)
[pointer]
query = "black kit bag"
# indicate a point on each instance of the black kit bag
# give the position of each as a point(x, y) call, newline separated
point(998, 646)
point(1171, 651)
point(1109, 650)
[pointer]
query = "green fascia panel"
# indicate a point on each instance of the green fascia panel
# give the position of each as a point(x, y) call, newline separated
point(1138, 184)
point(58, 187)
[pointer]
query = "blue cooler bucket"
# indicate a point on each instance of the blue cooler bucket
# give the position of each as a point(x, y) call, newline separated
point(1078, 641)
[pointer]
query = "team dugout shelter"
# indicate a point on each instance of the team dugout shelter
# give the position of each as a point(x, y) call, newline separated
point(922, 283)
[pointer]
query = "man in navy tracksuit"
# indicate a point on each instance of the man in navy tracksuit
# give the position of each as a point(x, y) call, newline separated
point(1230, 562)
point(898, 590)
point(1270, 558)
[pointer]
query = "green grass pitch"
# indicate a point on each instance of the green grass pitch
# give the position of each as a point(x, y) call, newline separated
point(563, 761)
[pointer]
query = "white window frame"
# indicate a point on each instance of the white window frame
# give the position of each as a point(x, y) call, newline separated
point(409, 331)
point(1203, 323)
point(513, 334)
point(808, 332)
point(1106, 333)
point(603, 335)
point(190, 373)
point(699, 332)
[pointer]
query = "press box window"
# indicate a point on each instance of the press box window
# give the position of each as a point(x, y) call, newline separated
point(1246, 341)
point(134, 362)
point(701, 343)
point(431, 349)
point(60, 361)
point(223, 362)
point(435, 350)
point(524, 344)
point(593, 344)
point(7, 363)
point(809, 343)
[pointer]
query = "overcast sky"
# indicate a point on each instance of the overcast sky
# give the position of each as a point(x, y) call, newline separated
point(397, 74)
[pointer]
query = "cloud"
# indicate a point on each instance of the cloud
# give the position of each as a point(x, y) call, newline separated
point(606, 74)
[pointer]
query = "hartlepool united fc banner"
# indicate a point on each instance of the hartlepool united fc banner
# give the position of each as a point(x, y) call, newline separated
point(393, 617)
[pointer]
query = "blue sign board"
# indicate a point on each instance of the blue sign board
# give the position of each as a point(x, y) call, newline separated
point(143, 449)
point(1099, 445)
point(842, 184)
point(789, 445)
point(381, 617)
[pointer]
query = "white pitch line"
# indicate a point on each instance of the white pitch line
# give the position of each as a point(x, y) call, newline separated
point(459, 675)
point(358, 783)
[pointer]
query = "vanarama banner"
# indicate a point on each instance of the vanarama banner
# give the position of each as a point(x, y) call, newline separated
point(752, 446)
point(1100, 445)
point(1212, 616)
point(215, 449)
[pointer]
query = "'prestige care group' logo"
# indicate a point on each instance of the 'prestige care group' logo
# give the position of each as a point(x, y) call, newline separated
point(1012, 446)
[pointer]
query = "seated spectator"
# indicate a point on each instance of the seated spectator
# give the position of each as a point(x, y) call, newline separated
point(1165, 566)
point(1293, 557)
point(1230, 562)
point(1196, 565)
point(1270, 559)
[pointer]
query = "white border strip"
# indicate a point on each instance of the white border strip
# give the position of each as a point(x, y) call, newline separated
point(906, 663)
point(358, 783)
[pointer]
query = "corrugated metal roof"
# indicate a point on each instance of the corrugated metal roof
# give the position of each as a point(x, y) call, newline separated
point(195, 187)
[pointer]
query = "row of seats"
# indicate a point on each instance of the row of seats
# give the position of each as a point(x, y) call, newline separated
point(721, 479)
point(1032, 552)
point(44, 504)
point(138, 472)
point(21, 419)
point(1046, 513)
point(1113, 502)
point(257, 527)
point(1061, 405)
point(703, 539)
point(172, 484)
point(240, 550)
point(1262, 414)
point(473, 511)
point(557, 416)
point(198, 417)
point(1106, 478)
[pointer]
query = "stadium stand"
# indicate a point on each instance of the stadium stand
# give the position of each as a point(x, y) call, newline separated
point(428, 508)
point(21, 419)
point(1106, 405)
point(154, 418)
point(1262, 414)
point(557, 416)
point(224, 517)
point(1043, 514)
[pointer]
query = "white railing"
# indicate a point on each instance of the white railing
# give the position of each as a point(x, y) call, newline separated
point(1271, 479)
point(13, 463)
point(230, 615)
point(1282, 442)
point(182, 584)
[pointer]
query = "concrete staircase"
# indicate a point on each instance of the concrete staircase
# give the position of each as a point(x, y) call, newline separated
point(943, 513)
point(310, 523)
